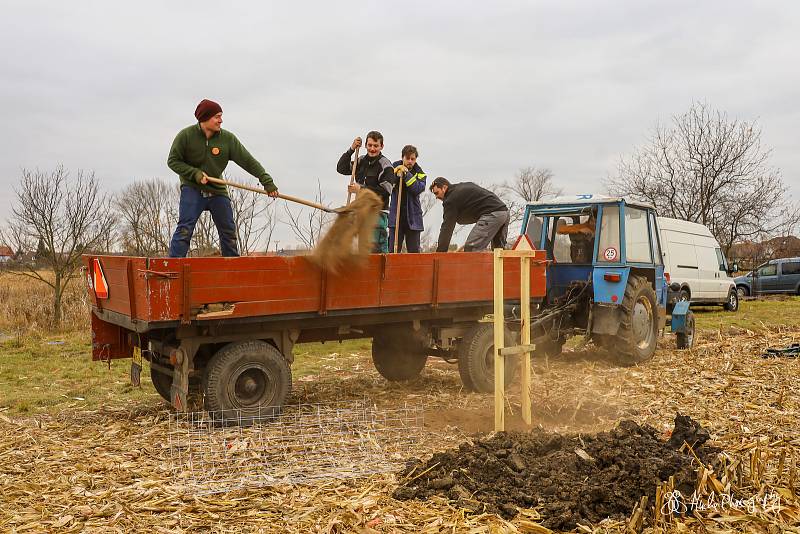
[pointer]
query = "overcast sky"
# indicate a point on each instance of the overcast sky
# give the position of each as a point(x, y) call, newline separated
point(481, 88)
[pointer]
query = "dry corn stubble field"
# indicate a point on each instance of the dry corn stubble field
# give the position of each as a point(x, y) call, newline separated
point(96, 459)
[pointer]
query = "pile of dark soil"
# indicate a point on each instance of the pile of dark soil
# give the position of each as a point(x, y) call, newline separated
point(569, 479)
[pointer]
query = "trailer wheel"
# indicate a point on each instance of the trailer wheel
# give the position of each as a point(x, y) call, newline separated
point(398, 354)
point(637, 336)
point(685, 340)
point(476, 358)
point(162, 382)
point(252, 377)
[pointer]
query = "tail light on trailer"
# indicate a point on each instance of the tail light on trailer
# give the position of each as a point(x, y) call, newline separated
point(666, 277)
point(97, 279)
point(612, 277)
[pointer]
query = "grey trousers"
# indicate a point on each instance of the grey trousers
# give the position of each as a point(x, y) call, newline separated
point(490, 228)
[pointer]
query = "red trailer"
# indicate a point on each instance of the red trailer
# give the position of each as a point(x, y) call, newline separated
point(227, 326)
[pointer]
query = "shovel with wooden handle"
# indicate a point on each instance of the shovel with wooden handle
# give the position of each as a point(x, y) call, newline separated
point(353, 176)
point(280, 195)
point(397, 216)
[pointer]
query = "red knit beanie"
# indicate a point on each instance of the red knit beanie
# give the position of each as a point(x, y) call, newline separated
point(206, 109)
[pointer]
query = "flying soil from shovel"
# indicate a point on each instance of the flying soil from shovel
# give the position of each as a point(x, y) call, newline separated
point(354, 222)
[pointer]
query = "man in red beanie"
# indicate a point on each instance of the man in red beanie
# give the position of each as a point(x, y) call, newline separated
point(199, 151)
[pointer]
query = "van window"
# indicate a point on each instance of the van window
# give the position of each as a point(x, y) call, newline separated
point(790, 267)
point(723, 265)
point(608, 247)
point(768, 270)
point(637, 241)
point(657, 257)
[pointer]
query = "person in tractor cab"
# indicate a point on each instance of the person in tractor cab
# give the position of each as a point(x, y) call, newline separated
point(376, 173)
point(581, 237)
point(199, 151)
point(468, 203)
point(410, 185)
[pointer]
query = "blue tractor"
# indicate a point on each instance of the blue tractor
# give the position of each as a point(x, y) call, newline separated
point(605, 280)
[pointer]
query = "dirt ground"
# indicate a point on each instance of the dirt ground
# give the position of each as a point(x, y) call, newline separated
point(572, 479)
point(109, 470)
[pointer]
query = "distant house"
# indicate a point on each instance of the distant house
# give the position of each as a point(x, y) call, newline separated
point(6, 254)
point(751, 254)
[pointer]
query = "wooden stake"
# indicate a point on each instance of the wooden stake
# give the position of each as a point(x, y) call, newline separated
point(525, 334)
point(499, 343)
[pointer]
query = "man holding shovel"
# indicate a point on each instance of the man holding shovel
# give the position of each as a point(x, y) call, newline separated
point(199, 151)
point(376, 173)
point(406, 224)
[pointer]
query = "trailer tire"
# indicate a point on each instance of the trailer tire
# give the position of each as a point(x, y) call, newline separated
point(162, 382)
point(398, 354)
point(637, 336)
point(251, 378)
point(476, 358)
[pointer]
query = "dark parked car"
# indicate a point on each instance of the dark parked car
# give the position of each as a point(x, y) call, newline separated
point(775, 276)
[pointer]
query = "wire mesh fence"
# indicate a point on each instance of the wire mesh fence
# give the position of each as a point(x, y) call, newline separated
point(213, 452)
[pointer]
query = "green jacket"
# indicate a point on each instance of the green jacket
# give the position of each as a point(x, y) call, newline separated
point(192, 154)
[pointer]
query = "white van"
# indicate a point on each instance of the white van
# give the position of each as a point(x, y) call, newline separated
point(695, 266)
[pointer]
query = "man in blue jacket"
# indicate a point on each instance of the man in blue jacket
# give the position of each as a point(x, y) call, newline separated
point(413, 184)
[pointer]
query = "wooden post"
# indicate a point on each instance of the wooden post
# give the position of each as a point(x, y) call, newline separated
point(499, 343)
point(525, 334)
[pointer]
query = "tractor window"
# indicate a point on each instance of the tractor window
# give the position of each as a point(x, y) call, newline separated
point(608, 248)
point(533, 229)
point(637, 240)
point(657, 257)
point(572, 237)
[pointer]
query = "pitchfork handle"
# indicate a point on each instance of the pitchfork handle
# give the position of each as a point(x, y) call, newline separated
point(280, 195)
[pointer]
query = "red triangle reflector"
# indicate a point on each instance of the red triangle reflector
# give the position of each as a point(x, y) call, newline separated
point(99, 280)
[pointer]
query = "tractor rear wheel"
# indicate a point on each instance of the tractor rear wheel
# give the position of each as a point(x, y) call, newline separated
point(250, 377)
point(476, 358)
point(399, 353)
point(637, 336)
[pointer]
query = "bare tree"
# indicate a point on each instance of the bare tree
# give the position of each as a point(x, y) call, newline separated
point(62, 218)
point(255, 220)
point(529, 185)
point(149, 213)
point(532, 184)
point(205, 239)
point(709, 169)
point(308, 224)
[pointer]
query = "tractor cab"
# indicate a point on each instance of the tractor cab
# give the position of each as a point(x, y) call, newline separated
point(606, 272)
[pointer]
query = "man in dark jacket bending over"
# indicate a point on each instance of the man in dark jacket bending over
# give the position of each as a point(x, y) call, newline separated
point(468, 203)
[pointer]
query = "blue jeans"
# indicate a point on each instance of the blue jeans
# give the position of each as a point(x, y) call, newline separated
point(193, 204)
